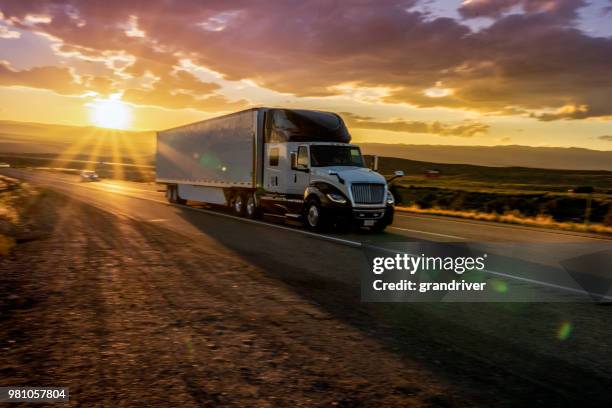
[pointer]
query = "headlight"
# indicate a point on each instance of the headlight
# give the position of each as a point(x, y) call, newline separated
point(390, 199)
point(336, 198)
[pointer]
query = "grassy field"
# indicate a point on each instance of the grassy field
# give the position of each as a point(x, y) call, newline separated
point(506, 194)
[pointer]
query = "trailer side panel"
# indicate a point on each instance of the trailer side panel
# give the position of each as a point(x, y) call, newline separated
point(216, 152)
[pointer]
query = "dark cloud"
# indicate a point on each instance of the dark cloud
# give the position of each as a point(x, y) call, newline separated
point(527, 63)
point(463, 129)
point(607, 138)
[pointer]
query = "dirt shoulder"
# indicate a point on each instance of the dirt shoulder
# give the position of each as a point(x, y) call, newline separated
point(125, 312)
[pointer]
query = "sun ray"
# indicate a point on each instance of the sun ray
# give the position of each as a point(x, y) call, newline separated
point(72, 151)
point(131, 153)
point(118, 170)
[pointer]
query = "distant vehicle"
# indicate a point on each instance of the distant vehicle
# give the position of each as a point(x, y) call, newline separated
point(433, 173)
point(297, 164)
point(87, 175)
point(5, 165)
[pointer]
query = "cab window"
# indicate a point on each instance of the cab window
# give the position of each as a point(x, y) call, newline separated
point(302, 160)
point(274, 156)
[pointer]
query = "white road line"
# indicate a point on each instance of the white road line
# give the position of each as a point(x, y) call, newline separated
point(216, 213)
point(428, 233)
point(308, 233)
point(550, 285)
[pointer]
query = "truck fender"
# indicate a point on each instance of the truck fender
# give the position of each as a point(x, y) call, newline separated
point(320, 189)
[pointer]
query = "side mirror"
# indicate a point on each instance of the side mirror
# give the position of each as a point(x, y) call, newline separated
point(398, 173)
point(294, 161)
point(375, 163)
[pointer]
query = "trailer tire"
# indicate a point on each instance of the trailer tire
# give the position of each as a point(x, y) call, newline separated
point(179, 200)
point(238, 204)
point(251, 209)
point(313, 215)
point(173, 196)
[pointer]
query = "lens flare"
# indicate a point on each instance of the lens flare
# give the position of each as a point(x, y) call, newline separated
point(564, 331)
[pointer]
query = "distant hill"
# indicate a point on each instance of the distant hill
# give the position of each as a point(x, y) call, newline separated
point(37, 138)
point(40, 138)
point(521, 178)
point(498, 156)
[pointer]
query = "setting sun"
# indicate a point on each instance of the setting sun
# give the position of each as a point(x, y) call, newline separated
point(111, 113)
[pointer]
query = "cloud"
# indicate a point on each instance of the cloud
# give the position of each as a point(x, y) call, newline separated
point(607, 138)
point(58, 79)
point(533, 63)
point(6, 34)
point(181, 89)
point(462, 129)
point(564, 9)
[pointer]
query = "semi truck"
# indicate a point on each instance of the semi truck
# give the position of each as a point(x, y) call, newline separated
point(291, 163)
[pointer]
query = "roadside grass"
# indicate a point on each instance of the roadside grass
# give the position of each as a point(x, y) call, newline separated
point(16, 198)
point(516, 197)
point(544, 221)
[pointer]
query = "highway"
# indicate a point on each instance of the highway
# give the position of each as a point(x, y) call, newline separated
point(479, 353)
point(143, 202)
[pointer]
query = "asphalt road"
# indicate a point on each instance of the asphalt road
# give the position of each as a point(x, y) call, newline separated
point(539, 277)
point(541, 353)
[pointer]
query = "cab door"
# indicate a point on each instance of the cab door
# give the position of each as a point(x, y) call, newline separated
point(299, 177)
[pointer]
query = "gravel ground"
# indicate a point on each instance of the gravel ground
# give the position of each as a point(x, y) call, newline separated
point(125, 313)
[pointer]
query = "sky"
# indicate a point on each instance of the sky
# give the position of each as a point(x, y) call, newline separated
point(477, 72)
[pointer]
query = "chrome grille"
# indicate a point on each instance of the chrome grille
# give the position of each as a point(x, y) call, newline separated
point(366, 193)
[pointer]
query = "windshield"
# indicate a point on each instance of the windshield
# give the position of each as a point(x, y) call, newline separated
point(326, 155)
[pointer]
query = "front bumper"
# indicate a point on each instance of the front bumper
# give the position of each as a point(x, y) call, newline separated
point(372, 216)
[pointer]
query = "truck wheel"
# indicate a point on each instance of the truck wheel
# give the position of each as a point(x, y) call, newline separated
point(313, 216)
point(238, 204)
point(179, 200)
point(251, 207)
point(173, 196)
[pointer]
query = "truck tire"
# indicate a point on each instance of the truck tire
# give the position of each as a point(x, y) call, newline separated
point(173, 195)
point(179, 200)
point(313, 215)
point(251, 209)
point(238, 204)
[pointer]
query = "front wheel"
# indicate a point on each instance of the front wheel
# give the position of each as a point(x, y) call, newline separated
point(313, 216)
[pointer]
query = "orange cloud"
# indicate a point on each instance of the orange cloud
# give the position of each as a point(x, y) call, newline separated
point(58, 79)
point(463, 129)
point(309, 48)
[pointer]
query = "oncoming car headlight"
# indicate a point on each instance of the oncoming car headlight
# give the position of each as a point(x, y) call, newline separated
point(390, 200)
point(336, 198)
